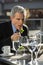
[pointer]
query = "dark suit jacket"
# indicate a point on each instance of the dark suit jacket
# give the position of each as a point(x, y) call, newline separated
point(6, 32)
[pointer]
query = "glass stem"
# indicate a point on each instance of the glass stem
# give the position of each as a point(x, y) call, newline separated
point(16, 52)
point(13, 44)
point(36, 53)
point(32, 57)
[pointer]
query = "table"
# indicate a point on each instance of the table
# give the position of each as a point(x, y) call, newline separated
point(10, 60)
point(40, 60)
point(5, 60)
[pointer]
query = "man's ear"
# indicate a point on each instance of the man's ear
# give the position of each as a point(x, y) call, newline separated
point(11, 18)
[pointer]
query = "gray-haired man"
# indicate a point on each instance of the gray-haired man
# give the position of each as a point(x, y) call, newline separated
point(8, 29)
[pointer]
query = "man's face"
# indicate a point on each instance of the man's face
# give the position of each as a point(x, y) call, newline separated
point(17, 20)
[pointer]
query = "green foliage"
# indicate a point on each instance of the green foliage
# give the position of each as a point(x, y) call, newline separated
point(21, 48)
point(21, 31)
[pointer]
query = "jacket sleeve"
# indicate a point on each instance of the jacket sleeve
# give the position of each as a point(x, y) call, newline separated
point(5, 34)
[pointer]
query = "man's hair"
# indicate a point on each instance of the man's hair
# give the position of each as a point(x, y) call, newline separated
point(19, 9)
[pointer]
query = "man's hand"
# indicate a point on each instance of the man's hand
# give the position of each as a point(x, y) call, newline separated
point(15, 36)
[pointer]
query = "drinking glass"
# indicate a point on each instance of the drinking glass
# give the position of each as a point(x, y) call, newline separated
point(31, 47)
point(23, 42)
point(15, 46)
point(38, 46)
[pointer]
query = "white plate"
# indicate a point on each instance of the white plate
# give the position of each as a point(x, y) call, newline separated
point(10, 54)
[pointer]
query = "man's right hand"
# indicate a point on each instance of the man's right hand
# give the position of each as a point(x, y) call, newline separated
point(15, 36)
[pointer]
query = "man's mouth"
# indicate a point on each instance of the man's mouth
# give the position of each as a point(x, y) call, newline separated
point(20, 26)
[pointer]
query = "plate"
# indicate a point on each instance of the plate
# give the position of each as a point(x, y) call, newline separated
point(10, 54)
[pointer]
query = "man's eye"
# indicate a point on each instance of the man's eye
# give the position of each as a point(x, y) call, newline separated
point(22, 19)
point(18, 19)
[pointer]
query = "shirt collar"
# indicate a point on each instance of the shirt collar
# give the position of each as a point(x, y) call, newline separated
point(14, 29)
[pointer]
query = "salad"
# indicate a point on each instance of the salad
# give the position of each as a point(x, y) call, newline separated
point(21, 48)
point(21, 31)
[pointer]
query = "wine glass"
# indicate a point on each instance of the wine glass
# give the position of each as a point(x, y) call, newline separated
point(31, 47)
point(38, 46)
point(26, 43)
point(15, 45)
point(23, 42)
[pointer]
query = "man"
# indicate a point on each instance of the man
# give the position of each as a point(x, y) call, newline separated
point(8, 30)
point(17, 18)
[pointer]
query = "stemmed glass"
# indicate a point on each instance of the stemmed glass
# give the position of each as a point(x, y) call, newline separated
point(38, 46)
point(15, 45)
point(26, 43)
point(31, 47)
point(23, 42)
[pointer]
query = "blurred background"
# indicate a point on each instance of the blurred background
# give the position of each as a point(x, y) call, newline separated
point(34, 9)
